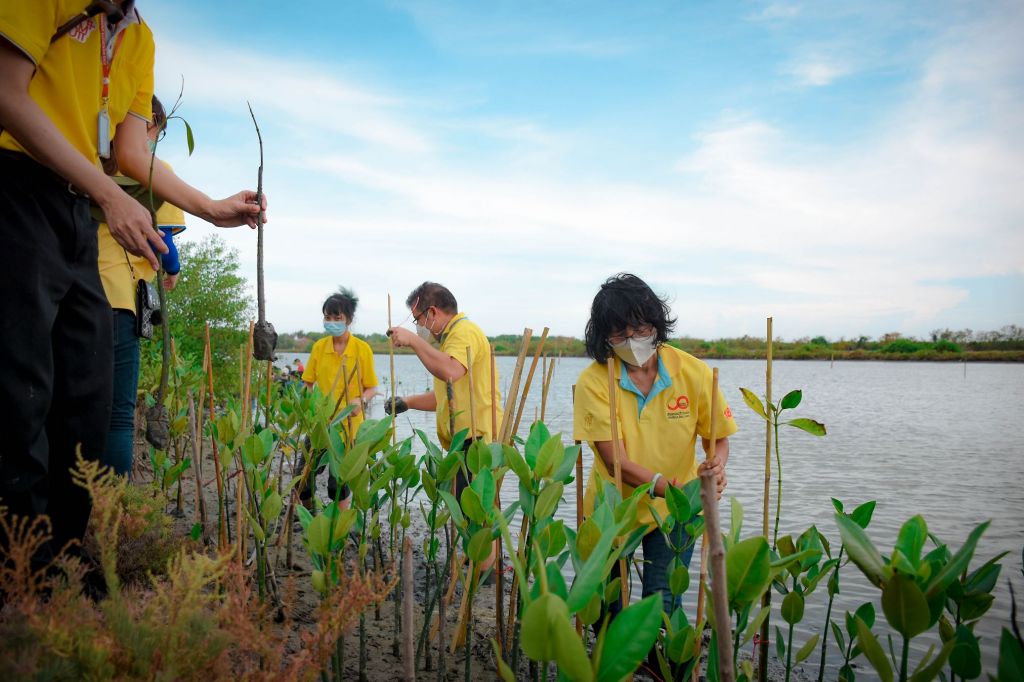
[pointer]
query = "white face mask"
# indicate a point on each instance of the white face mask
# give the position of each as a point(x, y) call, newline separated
point(424, 333)
point(636, 350)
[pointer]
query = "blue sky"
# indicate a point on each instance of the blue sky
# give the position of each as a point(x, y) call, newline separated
point(848, 168)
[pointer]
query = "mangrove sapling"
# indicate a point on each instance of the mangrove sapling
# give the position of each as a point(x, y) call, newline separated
point(766, 602)
point(848, 644)
point(264, 336)
point(914, 589)
point(967, 600)
point(862, 517)
point(805, 575)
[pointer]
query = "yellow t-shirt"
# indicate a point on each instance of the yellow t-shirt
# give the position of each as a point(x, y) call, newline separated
point(324, 365)
point(120, 270)
point(67, 82)
point(459, 334)
point(663, 435)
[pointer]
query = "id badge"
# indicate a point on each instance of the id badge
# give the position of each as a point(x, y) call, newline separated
point(103, 137)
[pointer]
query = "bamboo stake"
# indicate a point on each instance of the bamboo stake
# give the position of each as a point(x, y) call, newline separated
point(579, 493)
point(766, 600)
point(513, 389)
point(494, 398)
point(613, 414)
point(716, 549)
point(391, 360)
point(408, 647)
point(700, 605)
point(472, 402)
point(550, 373)
point(529, 379)
point(222, 540)
point(349, 436)
point(499, 566)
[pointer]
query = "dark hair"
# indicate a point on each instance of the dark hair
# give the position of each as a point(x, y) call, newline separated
point(342, 302)
point(159, 114)
point(625, 300)
point(432, 294)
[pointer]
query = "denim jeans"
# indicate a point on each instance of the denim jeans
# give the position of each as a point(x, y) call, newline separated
point(657, 556)
point(121, 434)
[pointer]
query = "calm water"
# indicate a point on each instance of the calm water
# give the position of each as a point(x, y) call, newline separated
point(920, 438)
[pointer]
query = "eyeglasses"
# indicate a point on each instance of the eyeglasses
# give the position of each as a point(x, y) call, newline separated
point(621, 336)
point(416, 317)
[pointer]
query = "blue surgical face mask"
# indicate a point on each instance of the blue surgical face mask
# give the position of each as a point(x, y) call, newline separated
point(335, 328)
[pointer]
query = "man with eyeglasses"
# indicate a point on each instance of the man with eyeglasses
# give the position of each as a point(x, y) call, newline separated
point(75, 76)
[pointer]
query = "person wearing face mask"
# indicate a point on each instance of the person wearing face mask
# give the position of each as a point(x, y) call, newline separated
point(664, 400)
point(340, 347)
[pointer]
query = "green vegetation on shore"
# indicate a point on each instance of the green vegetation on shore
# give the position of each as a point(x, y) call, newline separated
point(1004, 345)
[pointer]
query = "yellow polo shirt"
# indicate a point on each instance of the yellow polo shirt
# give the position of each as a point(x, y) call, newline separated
point(67, 82)
point(120, 270)
point(324, 364)
point(459, 334)
point(661, 436)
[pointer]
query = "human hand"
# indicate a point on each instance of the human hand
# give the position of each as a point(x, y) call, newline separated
point(171, 281)
point(399, 406)
point(131, 226)
point(237, 209)
point(357, 403)
point(715, 468)
point(401, 336)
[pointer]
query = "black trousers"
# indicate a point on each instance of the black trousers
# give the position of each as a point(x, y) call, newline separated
point(56, 366)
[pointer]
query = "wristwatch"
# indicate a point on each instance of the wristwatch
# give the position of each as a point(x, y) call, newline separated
point(654, 484)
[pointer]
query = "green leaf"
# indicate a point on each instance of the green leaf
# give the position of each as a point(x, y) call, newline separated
point(904, 606)
point(838, 505)
point(755, 625)
point(965, 658)
point(197, 531)
point(483, 484)
point(753, 402)
point(928, 670)
point(539, 435)
point(837, 633)
point(472, 507)
point(862, 514)
point(736, 520)
point(748, 570)
point(780, 644)
point(633, 633)
point(1011, 657)
point(861, 550)
point(791, 400)
point(271, 508)
point(549, 457)
point(538, 625)
point(570, 655)
point(479, 546)
point(304, 516)
point(793, 608)
point(957, 564)
point(592, 573)
point(911, 539)
point(815, 428)
point(679, 580)
point(873, 651)
point(518, 464)
point(677, 503)
point(807, 648)
point(453, 508)
point(354, 462)
point(252, 451)
point(548, 500)
point(478, 457)
point(189, 138)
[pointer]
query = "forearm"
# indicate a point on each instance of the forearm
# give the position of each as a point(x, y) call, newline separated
point(166, 184)
point(633, 474)
point(427, 402)
point(369, 393)
point(721, 449)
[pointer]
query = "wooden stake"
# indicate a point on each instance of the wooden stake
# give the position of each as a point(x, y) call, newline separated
point(472, 402)
point(513, 390)
point(529, 379)
point(222, 538)
point(549, 373)
point(579, 491)
point(494, 398)
point(700, 605)
point(394, 389)
point(613, 414)
point(766, 600)
point(716, 549)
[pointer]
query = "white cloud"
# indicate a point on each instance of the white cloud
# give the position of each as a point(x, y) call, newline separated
point(818, 73)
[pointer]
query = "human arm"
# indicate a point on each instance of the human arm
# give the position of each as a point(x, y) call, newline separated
point(130, 223)
point(134, 160)
point(427, 402)
point(634, 474)
point(437, 362)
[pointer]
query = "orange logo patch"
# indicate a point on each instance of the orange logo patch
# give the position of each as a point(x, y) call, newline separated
point(681, 403)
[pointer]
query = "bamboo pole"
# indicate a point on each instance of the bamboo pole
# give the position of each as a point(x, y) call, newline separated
point(579, 493)
point(494, 398)
point(472, 402)
point(408, 648)
point(550, 373)
point(513, 389)
point(613, 414)
point(222, 539)
point(529, 379)
point(766, 600)
point(716, 548)
point(391, 361)
point(344, 392)
point(499, 564)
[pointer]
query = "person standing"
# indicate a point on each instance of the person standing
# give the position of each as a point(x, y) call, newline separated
point(340, 351)
point(73, 77)
point(664, 402)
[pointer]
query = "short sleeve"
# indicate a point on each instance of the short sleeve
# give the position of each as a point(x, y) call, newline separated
point(366, 361)
point(309, 375)
point(142, 103)
point(591, 420)
point(29, 26)
point(455, 345)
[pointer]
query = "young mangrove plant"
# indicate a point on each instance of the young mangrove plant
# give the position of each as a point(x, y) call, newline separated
point(914, 590)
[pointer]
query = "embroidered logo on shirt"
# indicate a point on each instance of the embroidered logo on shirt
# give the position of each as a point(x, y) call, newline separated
point(678, 408)
point(82, 31)
point(728, 413)
point(588, 420)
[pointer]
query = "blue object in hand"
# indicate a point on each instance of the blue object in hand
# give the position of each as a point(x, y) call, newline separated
point(170, 259)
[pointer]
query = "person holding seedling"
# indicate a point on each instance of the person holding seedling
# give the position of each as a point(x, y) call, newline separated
point(74, 75)
point(335, 354)
point(435, 312)
point(124, 278)
point(664, 401)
